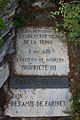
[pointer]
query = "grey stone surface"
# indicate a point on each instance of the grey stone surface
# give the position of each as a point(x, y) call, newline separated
point(42, 4)
point(7, 34)
point(11, 48)
point(18, 10)
point(12, 6)
point(38, 103)
point(4, 74)
point(39, 4)
point(5, 47)
point(1, 65)
point(35, 82)
point(40, 51)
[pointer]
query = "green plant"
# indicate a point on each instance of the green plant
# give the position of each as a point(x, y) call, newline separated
point(21, 20)
point(1, 42)
point(78, 68)
point(75, 104)
point(2, 26)
point(70, 15)
point(3, 4)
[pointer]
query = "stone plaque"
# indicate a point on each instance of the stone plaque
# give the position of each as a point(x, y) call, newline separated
point(38, 103)
point(38, 89)
point(40, 51)
point(35, 82)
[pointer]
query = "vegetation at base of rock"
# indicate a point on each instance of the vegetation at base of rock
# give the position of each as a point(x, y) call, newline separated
point(67, 16)
point(75, 104)
point(2, 26)
point(78, 68)
point(1, 42)
point(20, 20)
point(3, 4)
point(70, 24)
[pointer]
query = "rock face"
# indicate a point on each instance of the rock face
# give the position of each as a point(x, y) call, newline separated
point(42, 4)
point(7, 35)
point(4, 74)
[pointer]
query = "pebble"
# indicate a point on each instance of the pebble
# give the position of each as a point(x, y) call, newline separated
point(72, 80)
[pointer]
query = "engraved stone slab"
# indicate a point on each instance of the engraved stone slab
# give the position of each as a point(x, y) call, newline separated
point(38, 103)
point(35, 82)
point(40, 51)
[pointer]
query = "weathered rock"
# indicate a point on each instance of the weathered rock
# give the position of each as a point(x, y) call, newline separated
point(4, 74)
point(7, 48)
point(4, 48)
point(12, 6)
point(42, 4)
point(1, 65)
point(39, 4)
point(5, 32)
point(11, 49)
point(18, 10)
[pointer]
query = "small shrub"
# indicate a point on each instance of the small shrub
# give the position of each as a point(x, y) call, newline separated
point(78, 68)
point(1, 42)
point(3, 4)
point(19, 21)
point(75, 104)
point(2, 26)
point(70, 16)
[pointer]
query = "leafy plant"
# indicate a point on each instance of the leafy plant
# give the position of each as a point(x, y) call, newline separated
point(70, 15)
point(3, 4)
point(2, 26)
point(78, 68)
point(1, 42)
point(21, 20)
point(75, 104)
